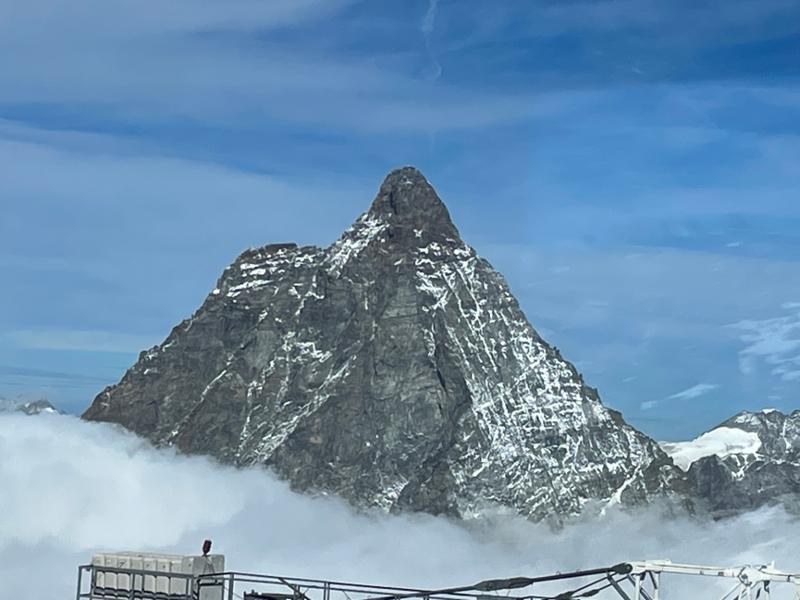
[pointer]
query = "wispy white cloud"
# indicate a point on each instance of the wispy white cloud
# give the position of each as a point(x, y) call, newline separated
point(648, 313)
point(132, 179)
point(701, 389)
point(120, 192)
point(186, 16)
point(429, 20)
point(772, 342)
point(128, 72)
point(428, 23)
point(8, 371)
point(696, 391)
point(663, 293)
point(134, 239)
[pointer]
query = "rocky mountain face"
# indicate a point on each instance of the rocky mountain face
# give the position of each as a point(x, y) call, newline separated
point(750, 460)
point(393, 368)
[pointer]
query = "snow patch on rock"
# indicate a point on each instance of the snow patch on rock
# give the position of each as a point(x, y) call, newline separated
point(723, 441)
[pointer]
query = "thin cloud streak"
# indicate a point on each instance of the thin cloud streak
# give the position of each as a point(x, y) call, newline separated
point(428, 24)
point(58, 376)
point(701, 389)
point(696, 391)
point(88, 341)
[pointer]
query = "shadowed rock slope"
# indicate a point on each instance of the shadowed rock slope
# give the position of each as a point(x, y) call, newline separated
point(394, 368)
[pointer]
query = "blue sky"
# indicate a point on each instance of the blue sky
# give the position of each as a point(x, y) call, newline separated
point(630, 166)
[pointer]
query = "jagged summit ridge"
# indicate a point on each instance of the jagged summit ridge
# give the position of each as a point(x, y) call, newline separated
point(406, 201)
point(394, 368)
point(405, 217)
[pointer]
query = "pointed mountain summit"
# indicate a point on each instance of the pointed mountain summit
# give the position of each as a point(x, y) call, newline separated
point(394, 368)
point(408, 202)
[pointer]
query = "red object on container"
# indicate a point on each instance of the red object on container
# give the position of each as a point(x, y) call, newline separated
point(206, 547)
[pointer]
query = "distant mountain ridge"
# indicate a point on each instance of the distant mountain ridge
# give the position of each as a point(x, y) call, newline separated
point(748, 461)
point(29, 407)
point(394, 368)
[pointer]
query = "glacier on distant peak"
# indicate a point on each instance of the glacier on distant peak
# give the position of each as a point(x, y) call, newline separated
point(722, 442)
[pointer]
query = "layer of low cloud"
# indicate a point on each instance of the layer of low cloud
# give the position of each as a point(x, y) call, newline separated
point(71, 488)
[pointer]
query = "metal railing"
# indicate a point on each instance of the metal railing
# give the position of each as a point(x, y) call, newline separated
point(144, 584)
point(254, 586)
point(628, 581)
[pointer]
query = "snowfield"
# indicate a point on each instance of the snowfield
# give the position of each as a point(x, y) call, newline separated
point(722, 441)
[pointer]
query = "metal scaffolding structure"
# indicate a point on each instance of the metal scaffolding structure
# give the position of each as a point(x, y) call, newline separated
point(638, 580)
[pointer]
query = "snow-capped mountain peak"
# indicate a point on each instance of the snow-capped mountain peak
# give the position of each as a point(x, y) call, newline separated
point(721, 442)
point(29, 407)
point(394, 368)
point(750, 460)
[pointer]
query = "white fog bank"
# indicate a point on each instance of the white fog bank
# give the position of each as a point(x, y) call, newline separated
point(69, 488)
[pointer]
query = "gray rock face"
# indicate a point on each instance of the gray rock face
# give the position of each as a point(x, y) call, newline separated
point(768, 472)
point(394, 368)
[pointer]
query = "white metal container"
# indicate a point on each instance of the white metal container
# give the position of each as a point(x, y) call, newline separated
point(168, 583)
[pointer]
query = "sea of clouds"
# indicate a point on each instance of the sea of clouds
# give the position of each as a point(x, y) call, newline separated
point(69, 488)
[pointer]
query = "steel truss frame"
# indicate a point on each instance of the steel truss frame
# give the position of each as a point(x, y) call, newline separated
point(637, 580)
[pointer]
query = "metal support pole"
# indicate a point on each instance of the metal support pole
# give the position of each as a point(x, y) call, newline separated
point(80, 577)
point(641, 593)
point(618, 588)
